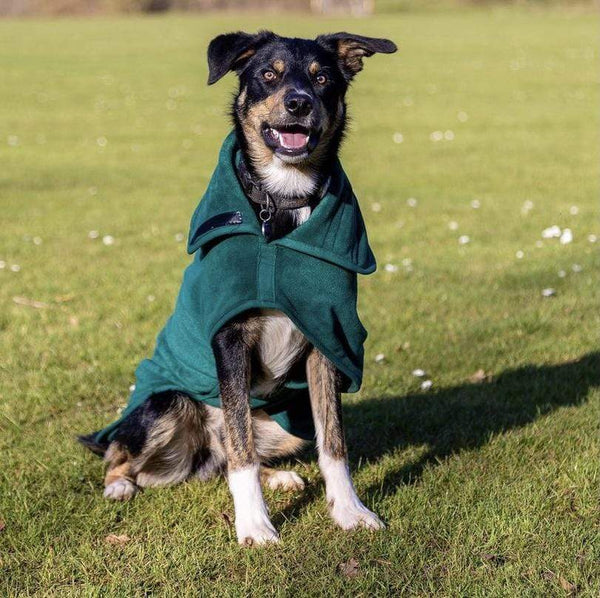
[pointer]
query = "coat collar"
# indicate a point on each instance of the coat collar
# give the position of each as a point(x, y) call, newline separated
point(335, 231)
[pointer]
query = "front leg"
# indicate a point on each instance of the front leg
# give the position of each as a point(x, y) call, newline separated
point(231, 346)
point(346, 508)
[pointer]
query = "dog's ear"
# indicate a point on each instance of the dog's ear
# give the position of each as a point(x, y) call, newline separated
point(351, 49)
point(231, 51)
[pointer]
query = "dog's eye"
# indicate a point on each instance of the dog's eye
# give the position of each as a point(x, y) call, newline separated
point(321, 79)
point(269, 76)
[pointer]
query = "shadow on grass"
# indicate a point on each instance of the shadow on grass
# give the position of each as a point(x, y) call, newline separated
point(457, 418)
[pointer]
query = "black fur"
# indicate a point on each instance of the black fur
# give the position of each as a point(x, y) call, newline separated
point(133, 430)
point(225, 50)
point(89, 441)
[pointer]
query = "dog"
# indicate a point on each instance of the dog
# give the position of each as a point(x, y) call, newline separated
point(289, 118)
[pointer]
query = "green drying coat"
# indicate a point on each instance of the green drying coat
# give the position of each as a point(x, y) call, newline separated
point(309, 274)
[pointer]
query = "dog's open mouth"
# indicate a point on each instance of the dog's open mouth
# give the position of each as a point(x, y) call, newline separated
point(290, 140)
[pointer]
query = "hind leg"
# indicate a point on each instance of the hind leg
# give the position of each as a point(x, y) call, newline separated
point(161, 443)
point(281, 479)
point(273, 442)
point(118, 482)
point(171, 438)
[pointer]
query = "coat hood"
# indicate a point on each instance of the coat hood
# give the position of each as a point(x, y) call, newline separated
point(335, 231)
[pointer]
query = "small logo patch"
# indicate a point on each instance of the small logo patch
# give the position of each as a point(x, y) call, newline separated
point(224, 219)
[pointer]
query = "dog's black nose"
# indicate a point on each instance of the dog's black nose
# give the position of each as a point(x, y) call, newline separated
point(298, 104)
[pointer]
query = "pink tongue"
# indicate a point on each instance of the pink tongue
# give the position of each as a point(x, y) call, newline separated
point(293, 140)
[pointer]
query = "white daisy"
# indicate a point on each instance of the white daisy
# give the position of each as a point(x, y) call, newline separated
point(566, 237)
point(551, 232)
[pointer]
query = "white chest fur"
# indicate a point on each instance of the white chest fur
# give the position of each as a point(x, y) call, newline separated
point(280, 345)
point(286, 179)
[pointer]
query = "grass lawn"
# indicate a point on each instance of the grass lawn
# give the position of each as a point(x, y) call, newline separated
point(489, 487)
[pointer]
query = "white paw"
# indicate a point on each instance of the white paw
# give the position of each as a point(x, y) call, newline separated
point(252, 523)
point(120, 490)
point(354, 514)
point(256, 530)
point(285, 480)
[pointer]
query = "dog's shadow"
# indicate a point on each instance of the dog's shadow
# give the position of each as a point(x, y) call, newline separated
point(447, 421)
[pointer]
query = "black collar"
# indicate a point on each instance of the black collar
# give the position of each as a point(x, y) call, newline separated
point(258, 194)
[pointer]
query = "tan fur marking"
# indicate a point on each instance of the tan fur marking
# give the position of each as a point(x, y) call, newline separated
point(326, 404)
point(246, 54)
point(242, 97)
point(271, 109)
point(279, 65)
point(120, 470)
point(239, 441)
point(314, 67)
point(272, 441)
point(352, 54)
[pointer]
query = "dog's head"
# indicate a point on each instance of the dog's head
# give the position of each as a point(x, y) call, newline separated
point(290, 105)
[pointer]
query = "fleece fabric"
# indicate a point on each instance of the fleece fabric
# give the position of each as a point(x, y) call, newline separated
point(310, 275)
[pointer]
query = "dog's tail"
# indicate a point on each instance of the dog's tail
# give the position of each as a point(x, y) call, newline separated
point(89, 441)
